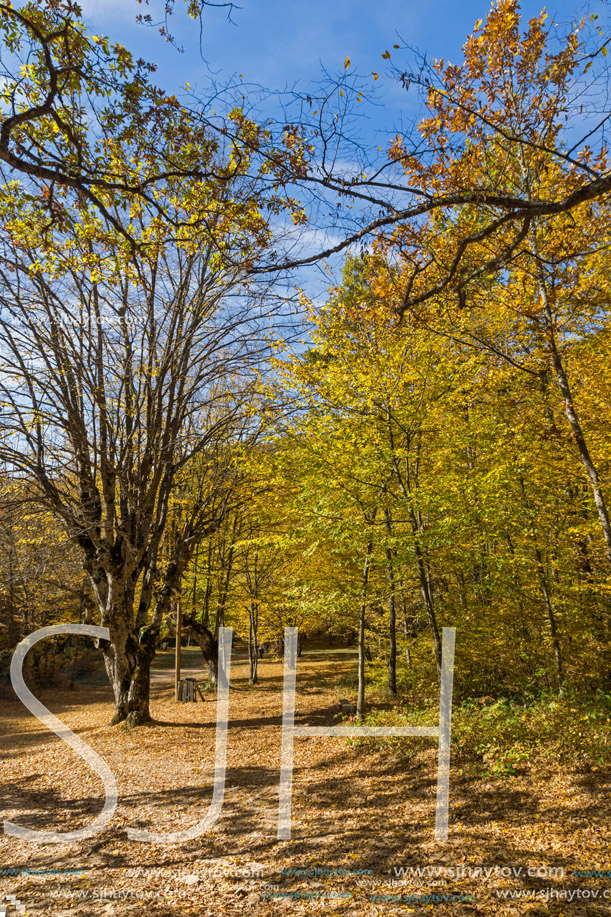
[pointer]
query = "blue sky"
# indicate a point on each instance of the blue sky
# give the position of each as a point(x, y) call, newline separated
point(275, 44)
point(286, 45)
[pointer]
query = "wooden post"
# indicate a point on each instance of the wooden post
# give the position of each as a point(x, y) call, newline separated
point(177, 696)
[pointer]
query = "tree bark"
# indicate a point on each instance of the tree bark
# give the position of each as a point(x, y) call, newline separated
point(253, 648)
point(427, 593)
point(392, 639)
point(569, 405)
point(138, 698)
point(206, 642)
point(405, 484)
point(360, 700)
point(177, 652)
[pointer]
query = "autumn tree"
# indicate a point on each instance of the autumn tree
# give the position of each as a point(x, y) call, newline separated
point(123, 366)
point(78, 89)
point(499, 120)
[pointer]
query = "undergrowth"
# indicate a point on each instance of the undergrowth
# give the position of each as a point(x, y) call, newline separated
point(503, 737)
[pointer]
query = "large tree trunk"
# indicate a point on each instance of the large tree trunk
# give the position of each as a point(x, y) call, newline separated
point(128, 663)
point(206, 642)
point(120, 663)
point(131, 648)
point(138, 698)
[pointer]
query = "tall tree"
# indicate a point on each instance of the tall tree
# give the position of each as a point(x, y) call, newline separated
point(126, 370)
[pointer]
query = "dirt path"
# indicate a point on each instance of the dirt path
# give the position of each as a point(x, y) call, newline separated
point(360, 815)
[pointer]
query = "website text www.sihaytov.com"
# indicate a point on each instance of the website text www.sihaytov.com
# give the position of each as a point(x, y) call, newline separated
point(168, 883)
point(567, 895)
point(140, 894)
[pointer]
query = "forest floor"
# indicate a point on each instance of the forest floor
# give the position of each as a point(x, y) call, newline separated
point(362, 824)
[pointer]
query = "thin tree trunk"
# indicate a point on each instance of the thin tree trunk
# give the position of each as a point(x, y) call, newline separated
point(223, 591)
point(253, 648)
point(551, 618)
point(177, 652)
point(392, 640)
point(360, 700)
point(416, 523)
point(12, 627)
point(569, 405)
point(427, 594)
point(405, 623)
